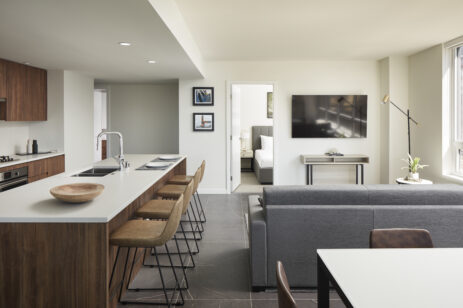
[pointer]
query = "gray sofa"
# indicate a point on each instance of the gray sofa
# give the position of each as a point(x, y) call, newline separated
point(294, 221)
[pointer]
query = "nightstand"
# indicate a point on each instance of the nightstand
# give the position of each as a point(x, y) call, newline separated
point(247, 158)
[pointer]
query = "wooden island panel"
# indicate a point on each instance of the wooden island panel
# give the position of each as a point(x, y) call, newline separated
point(65, 264)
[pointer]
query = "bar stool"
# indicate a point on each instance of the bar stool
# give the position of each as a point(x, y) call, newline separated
point(149, 234)
point(172, 191)
point(184, 180)
point(161, 210)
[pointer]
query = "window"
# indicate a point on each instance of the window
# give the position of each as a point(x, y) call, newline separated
point(457, 101)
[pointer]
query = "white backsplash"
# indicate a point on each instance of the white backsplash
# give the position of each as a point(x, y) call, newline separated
point(13, 137)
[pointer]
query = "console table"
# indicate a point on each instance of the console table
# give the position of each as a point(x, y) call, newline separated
point(358, 160)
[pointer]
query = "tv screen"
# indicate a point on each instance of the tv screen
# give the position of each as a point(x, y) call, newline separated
point(329, 116)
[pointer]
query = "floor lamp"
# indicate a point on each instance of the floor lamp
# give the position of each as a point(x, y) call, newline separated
point(386, 100)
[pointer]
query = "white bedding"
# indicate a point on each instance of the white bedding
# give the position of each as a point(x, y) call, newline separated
point(264, 158)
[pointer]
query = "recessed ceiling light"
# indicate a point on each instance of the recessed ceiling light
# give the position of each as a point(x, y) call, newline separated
point(125, 43)
point(151, 61)
point(26, 63)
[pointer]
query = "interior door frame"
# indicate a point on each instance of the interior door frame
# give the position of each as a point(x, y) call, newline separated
point(228, 113)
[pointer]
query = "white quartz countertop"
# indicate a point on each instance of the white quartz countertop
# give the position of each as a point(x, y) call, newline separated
point(21, 159)
point(33, 202)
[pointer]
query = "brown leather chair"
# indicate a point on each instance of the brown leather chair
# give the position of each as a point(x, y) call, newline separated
point(285, 298)
point(400, 238)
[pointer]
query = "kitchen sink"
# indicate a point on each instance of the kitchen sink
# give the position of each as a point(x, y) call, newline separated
point(97, 172)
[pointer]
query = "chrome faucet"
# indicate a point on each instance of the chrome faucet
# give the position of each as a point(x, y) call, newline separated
point(122, 163)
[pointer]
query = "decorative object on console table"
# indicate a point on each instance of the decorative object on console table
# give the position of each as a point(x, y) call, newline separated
point(203, 96)
point(203, 122)
point(386, 100)
point(358, 160)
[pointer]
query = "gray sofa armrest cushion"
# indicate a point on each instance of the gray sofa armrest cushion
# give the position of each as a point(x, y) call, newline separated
point(415, 194)
point(316, 195)
point(257, 242)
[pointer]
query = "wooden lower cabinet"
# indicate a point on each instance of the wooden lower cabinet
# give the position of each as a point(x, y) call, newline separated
point(40, 169)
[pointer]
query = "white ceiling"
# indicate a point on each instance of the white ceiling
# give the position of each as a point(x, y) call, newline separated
point(82, 36)
point(319, 29)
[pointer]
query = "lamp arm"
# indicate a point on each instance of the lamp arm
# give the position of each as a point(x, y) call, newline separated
point(400, 109)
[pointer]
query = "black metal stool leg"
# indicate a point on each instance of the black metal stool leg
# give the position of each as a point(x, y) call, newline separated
point(201, 206)
point(194, 232)
point(198, 223)
point(177, 282)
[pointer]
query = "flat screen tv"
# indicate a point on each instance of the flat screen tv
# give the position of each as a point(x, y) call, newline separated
point(329, 116)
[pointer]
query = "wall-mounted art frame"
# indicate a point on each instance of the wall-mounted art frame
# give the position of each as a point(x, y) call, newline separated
point(203, 122)
point(203, 96)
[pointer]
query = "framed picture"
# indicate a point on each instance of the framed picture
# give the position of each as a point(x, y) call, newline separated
point(270, 105)
point(203, 96)
point(203, 122)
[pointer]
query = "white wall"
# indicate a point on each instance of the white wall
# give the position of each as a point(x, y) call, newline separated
point(384, 122)
point(146, 115)
point(50, 134)
point(310, 77)
point(13, 137)
point(425, 94)
point(253, 109)
point(78, 120)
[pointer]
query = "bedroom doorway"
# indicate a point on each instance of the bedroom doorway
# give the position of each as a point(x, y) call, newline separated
point(251, 162)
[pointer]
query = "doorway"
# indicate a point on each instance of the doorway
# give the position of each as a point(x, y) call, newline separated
point(251, 156)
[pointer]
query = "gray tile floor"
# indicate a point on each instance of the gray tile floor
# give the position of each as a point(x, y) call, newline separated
point(221, 277)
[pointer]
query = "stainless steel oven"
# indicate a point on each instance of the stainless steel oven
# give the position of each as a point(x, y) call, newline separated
point(13, 178)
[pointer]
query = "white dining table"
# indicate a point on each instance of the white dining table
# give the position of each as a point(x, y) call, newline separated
point(392, 278)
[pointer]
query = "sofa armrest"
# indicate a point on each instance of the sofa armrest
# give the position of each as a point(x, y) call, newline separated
point(257, 243)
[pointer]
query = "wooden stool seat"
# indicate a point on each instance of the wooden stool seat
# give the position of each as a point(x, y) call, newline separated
point(180, 179)
point(156, 209)
point(171, 191)
point(140, 233)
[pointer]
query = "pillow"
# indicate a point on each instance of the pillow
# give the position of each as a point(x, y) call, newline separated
point(267, 143)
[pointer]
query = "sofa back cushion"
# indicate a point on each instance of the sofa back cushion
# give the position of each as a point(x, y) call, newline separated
point(315, 195)
point(382, 194)
point(437, 194)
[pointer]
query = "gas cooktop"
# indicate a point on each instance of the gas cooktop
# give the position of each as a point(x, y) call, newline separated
point(6, 159)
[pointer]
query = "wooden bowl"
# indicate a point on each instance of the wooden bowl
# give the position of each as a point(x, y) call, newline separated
point(77, 193)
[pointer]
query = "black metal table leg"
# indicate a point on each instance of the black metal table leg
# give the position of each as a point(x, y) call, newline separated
point(311, 174)
point(323, 294)
point(361, 168)
point(307, 174)
point(356, 174)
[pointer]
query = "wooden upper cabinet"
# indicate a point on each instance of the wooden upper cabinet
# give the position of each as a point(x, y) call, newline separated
point(2, 89)
point(2, 79)
point(26, 93)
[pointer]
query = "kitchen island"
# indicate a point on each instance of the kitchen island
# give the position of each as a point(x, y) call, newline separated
point(54, 254)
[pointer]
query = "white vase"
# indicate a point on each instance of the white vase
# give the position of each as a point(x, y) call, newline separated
point(413, 176)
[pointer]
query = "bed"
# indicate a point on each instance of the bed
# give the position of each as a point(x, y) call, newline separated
point(263, 160)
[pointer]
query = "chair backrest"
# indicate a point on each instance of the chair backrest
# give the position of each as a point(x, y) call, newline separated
point(203, 169)
point(187, 195)
point(400, 238)
point(197, 179)
point(285, 298)
point(173, 221)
